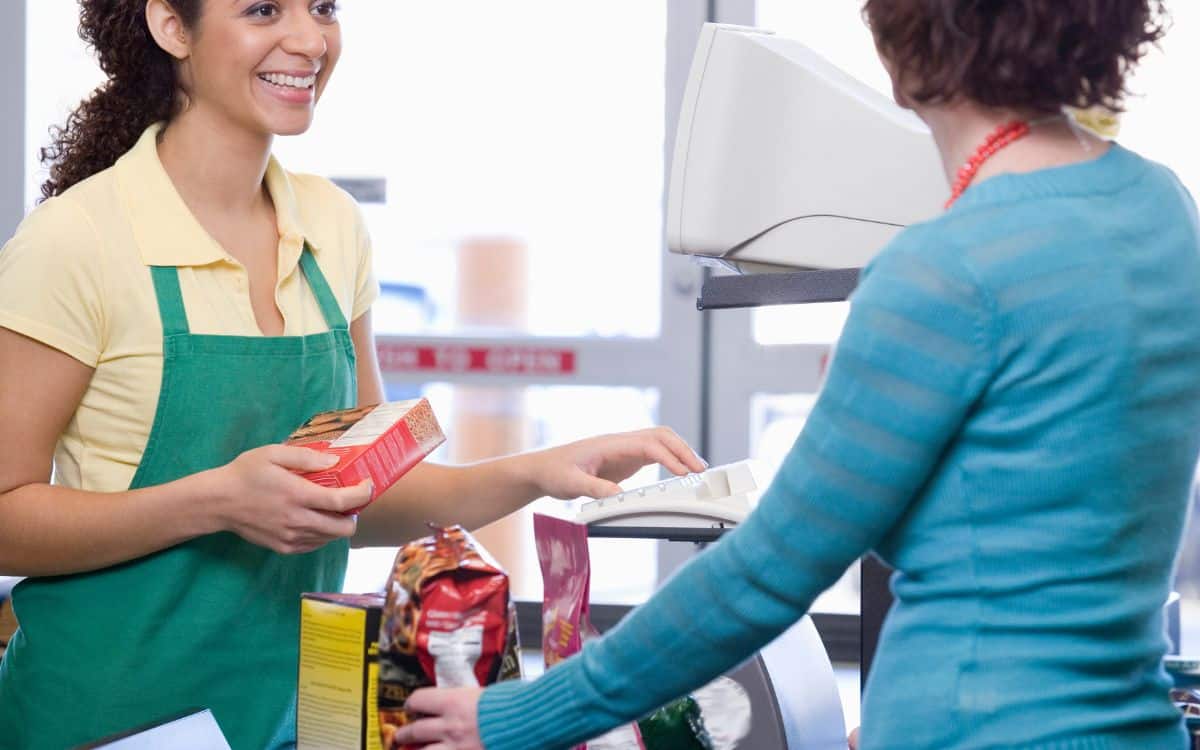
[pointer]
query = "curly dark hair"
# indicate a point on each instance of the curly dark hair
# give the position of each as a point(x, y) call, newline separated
point(1023, 55)
point(141, 89)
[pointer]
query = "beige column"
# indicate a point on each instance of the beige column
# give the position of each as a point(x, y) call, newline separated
point(493, 295)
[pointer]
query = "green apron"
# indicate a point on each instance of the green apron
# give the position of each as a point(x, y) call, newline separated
point(211, 623)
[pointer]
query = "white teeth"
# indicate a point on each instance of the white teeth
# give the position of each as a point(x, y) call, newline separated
point(279, 79)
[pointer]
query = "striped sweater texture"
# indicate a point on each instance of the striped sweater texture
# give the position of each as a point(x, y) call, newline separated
point(1011, 420)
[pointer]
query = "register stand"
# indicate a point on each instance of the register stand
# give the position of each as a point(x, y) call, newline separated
point(792, 689)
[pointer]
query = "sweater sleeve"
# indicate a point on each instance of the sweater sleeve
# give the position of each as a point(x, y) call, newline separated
point(912, 360)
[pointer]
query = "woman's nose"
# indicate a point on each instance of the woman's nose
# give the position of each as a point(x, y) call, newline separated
point(305, 36)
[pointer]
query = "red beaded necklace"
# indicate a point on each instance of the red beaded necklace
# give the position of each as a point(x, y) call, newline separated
point(998, 139)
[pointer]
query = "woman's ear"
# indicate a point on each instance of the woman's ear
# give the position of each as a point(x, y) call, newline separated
point(168, 29)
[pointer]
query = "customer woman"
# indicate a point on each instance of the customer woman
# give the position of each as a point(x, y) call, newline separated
point(1011, 420)
point(167, 317)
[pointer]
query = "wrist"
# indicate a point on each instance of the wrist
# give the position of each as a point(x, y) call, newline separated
point(205, 502)
point(525, 473)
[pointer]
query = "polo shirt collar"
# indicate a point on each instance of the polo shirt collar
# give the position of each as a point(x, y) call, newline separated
point(166, 231)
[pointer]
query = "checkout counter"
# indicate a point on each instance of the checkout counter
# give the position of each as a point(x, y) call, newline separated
point(791, 685)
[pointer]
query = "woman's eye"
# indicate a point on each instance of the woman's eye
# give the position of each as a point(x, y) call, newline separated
point(266, 10)
point(325, 10)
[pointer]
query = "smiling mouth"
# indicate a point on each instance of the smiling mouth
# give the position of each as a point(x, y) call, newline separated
point(289, 82)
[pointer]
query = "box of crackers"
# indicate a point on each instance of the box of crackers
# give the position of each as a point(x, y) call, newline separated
point(339, 672)
point(380, 442)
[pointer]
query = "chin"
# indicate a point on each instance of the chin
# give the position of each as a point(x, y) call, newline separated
point(297, 129)
point(288, 125)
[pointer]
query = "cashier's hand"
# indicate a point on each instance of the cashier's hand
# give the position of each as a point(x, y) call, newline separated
point(592, 467)
point(259, 497)
point(450, 720)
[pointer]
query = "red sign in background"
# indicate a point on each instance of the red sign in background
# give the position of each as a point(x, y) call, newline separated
point(491, 360)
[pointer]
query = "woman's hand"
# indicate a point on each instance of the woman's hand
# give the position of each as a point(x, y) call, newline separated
point(260, 498)
point(852, 740)
point(449, 722)
point(592, 467)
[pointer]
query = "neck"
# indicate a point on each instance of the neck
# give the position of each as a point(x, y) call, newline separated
point(215, 165)
point(958, 130)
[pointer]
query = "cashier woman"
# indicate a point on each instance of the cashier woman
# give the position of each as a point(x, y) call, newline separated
point(167, 317)
point(1012, 420)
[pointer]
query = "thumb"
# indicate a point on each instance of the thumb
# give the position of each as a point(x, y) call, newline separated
point(297, 458)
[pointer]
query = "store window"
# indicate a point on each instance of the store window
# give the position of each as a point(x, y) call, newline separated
point(511, 134)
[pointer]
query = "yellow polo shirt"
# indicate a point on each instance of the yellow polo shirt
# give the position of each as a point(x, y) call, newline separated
point(76, 277)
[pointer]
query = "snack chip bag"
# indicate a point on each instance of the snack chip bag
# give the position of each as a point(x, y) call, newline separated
point(714, 717)
point(448, 621)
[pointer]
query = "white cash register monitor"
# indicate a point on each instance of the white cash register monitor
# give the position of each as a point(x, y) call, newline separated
point(782, 159)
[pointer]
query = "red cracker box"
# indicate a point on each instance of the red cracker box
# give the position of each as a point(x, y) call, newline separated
point(380, 442)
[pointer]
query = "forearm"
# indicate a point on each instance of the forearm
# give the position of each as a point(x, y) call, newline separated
point(471, 496)
point(47, 530)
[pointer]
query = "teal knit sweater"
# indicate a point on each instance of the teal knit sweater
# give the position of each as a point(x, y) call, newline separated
point(1011, 420)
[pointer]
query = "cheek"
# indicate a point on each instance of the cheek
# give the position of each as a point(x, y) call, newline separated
point(224, 71)
point(333, 50)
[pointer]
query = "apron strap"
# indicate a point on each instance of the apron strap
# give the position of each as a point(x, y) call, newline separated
point(316, 281)
point(170, 300)
point(174, 315)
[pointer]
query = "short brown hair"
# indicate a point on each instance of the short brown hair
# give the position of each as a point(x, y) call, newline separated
point(1025, 55)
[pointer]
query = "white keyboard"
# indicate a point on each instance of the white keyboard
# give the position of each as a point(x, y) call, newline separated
point(718, 497)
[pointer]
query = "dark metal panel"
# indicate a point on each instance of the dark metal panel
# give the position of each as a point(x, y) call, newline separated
point(788, 288)
point(363, 189)
point(681, 534)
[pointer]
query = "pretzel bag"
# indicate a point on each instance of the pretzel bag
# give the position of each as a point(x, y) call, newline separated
point(448, 621)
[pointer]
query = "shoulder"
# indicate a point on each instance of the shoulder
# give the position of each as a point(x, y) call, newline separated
point(930, 258)
point(81, 221)
point(61, 227)
point(331, 217)
point(319, 199)
point(53, 280)
point(1175, 195)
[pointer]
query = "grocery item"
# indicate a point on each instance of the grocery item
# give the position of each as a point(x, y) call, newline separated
point(380, 442)
point(339, 671)
point(448, 621)
point(715, 717)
